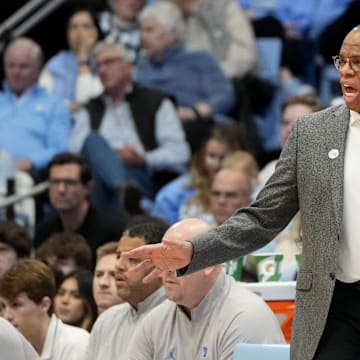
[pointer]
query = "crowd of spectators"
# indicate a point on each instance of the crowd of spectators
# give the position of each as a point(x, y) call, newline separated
point(155, 109)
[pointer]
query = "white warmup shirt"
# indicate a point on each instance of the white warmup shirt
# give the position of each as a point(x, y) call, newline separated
point(64, 342)
point(114, 328)
point(227, 315)
point(13, 345)
point(348, 265)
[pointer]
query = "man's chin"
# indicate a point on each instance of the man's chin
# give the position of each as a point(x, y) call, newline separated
point(63, 208)
point(220, 219)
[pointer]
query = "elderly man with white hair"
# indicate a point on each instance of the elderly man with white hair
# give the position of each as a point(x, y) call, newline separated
point(207, 313)
point(128, 134)
point(34, 126)
point(194, 78)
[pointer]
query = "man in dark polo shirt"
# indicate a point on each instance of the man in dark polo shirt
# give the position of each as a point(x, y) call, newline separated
point(70, 183)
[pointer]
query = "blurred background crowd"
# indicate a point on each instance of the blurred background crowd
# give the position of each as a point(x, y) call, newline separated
point(118, 111)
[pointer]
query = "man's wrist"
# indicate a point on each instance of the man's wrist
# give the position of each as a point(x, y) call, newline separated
point(184, 269)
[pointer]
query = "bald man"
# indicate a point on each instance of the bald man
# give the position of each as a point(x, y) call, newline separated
point(206, 313)
point(317, 173)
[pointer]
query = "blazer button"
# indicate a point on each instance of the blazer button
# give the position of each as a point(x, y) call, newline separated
point(332, 276)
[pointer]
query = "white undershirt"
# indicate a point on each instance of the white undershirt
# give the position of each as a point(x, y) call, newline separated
point(349, 251)
point(87, 85)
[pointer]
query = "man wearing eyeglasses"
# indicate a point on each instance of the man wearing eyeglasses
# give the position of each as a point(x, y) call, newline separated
point(231, 189)
point(318, 173)
point(70, 182)
point(128, 134)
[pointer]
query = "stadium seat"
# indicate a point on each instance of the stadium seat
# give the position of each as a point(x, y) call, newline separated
point(262, 351)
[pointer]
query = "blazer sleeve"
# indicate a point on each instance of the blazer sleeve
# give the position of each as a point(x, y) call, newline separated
point(253, 227)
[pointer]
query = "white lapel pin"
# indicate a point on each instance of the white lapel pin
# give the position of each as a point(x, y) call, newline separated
point(333, 154)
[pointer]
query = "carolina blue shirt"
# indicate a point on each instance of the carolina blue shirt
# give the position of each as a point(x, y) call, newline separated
point(190, 77)
point(35, 125)
point(64, 69)
point(324, 13)
point(171, 197)
point(298, 12)
point(261, 8)
point(310, 15)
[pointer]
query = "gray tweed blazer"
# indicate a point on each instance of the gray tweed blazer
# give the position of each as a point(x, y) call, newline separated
point(310, 178)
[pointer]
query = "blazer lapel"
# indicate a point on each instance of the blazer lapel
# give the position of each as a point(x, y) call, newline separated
point(336, 138)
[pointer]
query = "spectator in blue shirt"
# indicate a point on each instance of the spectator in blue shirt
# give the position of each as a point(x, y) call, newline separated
point(70, 74)
point(202, 92)
point(34, 126)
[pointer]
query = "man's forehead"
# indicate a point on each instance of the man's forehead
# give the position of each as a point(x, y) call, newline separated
point(68, 169)
point(229, 179)
point(19, 296)
point(19, 52)
point(73, 167)
point(105, 261)
point(127, 243)
point(108, 51)
point(351, 42)
point(4, 246)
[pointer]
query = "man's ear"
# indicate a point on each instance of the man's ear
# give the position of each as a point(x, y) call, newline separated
point(213, 271)
point(172, 36)
point(209, 270)
point(45, 304)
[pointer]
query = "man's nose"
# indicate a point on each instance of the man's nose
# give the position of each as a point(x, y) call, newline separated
point(120, 264)
point(347, 68)
point(104, 280)
point(65, 298)
point(7, 314)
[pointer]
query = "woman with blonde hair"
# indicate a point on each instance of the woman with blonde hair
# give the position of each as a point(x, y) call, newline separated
point(246, 162)
point(183, 195)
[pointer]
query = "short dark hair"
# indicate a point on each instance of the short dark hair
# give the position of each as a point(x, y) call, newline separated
point(16, 236)
point(82, 7)
point(32, 277)
point(152, 232)
point(67, 245)
point(71, 158)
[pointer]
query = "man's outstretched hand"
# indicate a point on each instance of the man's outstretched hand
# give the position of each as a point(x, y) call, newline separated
point(169, 255)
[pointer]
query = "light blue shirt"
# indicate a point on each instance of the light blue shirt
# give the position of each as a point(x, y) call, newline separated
point(171, 197)
point(310, 15)
point(261, 8)
point(35, 125)
point(191, 77)
point(297, 12)
point(324, 13)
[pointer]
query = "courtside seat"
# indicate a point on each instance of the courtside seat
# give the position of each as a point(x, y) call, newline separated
point(262, 352)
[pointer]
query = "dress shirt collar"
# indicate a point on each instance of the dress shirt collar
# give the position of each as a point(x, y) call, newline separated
point(354, 118)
